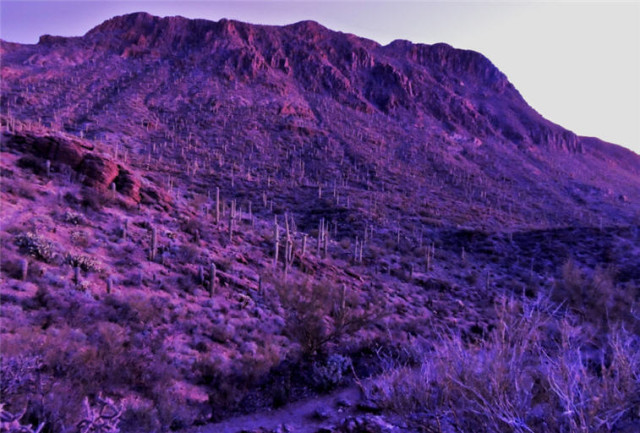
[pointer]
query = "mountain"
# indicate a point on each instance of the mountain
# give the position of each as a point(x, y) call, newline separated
point(201, 219)
point(443, 121)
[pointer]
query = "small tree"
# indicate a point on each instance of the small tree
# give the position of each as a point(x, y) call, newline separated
point(319, 313)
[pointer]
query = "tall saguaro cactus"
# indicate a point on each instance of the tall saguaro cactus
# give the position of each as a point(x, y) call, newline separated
point(212, 280)
point(217, 205)
point(24, 269)
point(154, 244)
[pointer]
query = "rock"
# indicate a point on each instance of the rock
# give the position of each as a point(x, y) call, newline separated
point(127, 184)
point(369, 406)
point(51, 147)
point(100, 172)
point(366, 424)
point(320, 414)
point(343, 402)
point(97, 171)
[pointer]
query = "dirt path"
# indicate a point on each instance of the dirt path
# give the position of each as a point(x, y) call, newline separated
point(298, 416)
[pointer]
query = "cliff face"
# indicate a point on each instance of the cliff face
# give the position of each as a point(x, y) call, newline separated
point(402, 108)
point(455, 89)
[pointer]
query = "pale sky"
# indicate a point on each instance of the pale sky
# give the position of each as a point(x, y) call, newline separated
point(577, 63)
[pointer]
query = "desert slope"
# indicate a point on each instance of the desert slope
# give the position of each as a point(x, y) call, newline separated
point(202, 220)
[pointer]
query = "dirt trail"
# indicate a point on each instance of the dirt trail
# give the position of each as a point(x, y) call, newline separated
point(298, 416)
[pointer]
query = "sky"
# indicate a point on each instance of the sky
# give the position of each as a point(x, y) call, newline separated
point(576, 62)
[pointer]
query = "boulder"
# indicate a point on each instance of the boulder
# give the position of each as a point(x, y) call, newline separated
point(100, 172)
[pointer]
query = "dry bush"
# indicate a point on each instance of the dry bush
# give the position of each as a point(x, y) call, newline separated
point(316, 314)
point(596, 390)
point(86, 356)
point(536, 372)
point(21, 188)
point(80, 238)
point(331, 372)
point(37, 246)
point(73, 217)
point(18, 376)
point(84, 262)
point(94, 199)
point(594, 295)
point(103, 417)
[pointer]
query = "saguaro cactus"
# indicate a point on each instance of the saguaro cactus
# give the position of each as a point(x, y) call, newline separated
point(109, 284)
point(24, 269)
point(201, 275)
point(212, 280)
point(154, 244)
point(76, 275)
point(288, 258)
point(217, 205)
point(230, 225)
point(320, 236)
point(125, 229)
point(326, 244)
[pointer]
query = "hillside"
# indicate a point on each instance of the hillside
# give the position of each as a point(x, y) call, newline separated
point(205, 219)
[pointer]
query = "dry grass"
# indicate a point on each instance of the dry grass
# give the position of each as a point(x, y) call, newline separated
point(537, 371)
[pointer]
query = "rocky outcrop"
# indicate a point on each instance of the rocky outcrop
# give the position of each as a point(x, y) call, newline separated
point(52, 147)
point(435, 82)
point(127, 183)
point(97, 170)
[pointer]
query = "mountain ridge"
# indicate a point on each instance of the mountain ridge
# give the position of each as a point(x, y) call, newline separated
point(443, 107)
point(134, 29)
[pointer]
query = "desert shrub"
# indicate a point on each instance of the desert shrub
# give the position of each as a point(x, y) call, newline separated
point(79, 238)
point(84, 262)
point(594, 294)
point(72, 217)
point(191, 226)
point(316, 314)
point(21, 188)
point(345, 243)
point(187, 253)
point(37, 246)
point(93, 199)
point(102, 416)
point(18, 374)
point(15, 422)
point(139, 417)
point(536, 371)
point(148, 310)
point(329, 373)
